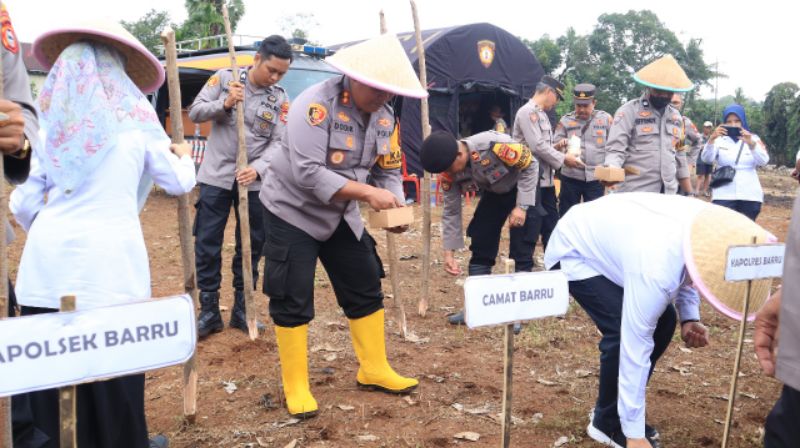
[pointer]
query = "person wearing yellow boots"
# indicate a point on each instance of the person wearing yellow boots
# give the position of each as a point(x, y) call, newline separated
point(338, 134)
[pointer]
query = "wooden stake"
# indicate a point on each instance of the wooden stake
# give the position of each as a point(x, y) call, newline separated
point(5, 305)
point(67, 398)
point(508, 367)
point(426, 179)
point(391, 243)
point(244, 215)
point(737, 363)
point(184, 219)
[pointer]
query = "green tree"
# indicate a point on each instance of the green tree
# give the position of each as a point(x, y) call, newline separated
point(779, 104)
point(793, 130)
point(547, 53)
point(205, 18)
point(298, 25)
point(148, 28)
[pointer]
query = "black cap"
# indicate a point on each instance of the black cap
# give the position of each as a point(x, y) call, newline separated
point(557, 85)
point(438, 152)
point(583, 93)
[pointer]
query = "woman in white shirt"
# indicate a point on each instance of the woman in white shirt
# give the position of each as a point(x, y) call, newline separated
point(103, 147)
point(745, 154)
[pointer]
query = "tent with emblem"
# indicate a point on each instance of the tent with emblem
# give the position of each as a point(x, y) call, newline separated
point(474, 66)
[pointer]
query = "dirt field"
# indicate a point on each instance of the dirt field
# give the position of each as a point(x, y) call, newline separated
point(460, 370)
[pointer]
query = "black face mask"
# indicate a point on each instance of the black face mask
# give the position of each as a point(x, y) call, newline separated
point(660, 102)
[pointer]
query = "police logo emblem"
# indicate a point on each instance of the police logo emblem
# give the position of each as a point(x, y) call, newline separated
point(486, 52)
point(213, 81)
point(267, 116)
point(316, 114)
point(343, 116)
point(284, 112)
point(337, 157)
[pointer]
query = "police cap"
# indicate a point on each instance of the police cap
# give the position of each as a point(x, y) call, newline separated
point(438, 152)
point(583, 93)
point(557, 85)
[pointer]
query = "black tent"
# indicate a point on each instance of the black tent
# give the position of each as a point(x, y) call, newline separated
point(464, 60)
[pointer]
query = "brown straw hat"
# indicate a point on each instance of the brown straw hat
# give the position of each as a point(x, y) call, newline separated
point(141, 66)
point(664, 74)
point(706, 251)
point(380, 63)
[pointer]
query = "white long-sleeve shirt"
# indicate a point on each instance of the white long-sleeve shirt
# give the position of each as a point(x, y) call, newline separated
point(745, 185)
point(636, 241)
point(89, 243)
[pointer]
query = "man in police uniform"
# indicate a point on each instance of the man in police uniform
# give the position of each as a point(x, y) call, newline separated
point(507, 173)
point(338, 134)
point(266, 106)
point(647, 130)
point(591, 126)
point(690, 142)
point(532, 127)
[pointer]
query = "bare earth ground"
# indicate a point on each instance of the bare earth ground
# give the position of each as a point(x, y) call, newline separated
point(460, 370)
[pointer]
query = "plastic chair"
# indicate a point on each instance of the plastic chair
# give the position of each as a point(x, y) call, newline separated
point(412, 178)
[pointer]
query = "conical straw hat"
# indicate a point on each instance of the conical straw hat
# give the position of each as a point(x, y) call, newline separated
point(664, 74)
point(141, 66)
point(380, 63)
point(706, 251)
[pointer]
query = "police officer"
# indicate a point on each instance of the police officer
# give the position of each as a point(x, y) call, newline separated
point(591, 127)
point(507, 173)
point(646, 131)
point(266, 106)
point(338, 135)
point(532, 127)
point(690, 141)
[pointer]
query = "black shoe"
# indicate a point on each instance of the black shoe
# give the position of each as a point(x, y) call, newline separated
point(159, 441)
point(209, 321)
point(239, 315)
point(617, 439)
point(457, 318)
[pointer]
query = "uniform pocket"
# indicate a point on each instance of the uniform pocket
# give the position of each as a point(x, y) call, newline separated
point(645, 135)
point(276, 270)
point(264, 121)
point(340, 150)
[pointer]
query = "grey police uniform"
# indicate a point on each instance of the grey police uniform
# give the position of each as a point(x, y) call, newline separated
point(579, 183)
point(265, 112)
point(507, 173)
point(329, 142)
point(532, 127)
point(691, 138)
point(644, 138)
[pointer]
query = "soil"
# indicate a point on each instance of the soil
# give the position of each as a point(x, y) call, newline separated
point(460, 370)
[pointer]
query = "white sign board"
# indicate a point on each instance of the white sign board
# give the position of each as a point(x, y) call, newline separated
point(499, 299)
point(755, 261)
point(58, 349)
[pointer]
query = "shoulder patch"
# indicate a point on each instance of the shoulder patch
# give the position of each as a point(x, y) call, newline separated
point(213, 81)
point(7, 33)
point(316, 114)
point(513, 154)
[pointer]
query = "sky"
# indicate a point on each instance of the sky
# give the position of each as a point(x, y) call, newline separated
point(755, 43)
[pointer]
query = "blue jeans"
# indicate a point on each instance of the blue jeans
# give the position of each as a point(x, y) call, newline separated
point(602, 300)
point(751, 209)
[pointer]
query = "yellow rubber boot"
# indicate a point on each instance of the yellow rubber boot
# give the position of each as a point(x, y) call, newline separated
point(293, 351)
point(369, 343)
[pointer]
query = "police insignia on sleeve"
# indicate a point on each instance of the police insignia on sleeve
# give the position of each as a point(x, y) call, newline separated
point(7, 34)
point(513, 154)
point(213, 81)
point(316, 114)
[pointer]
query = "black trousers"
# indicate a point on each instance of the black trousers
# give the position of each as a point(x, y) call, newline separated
point(213, 208)
point(549, 221)
point(110, 413)
point(353, 266)
point(782, 429)
point(602, 300)
point(574, 190)
point(487, 224)
point(751, 209)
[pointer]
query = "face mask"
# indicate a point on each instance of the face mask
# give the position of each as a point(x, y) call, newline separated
point(659, 102)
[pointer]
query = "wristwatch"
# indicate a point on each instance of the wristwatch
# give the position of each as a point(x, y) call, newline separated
point(524, 208)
